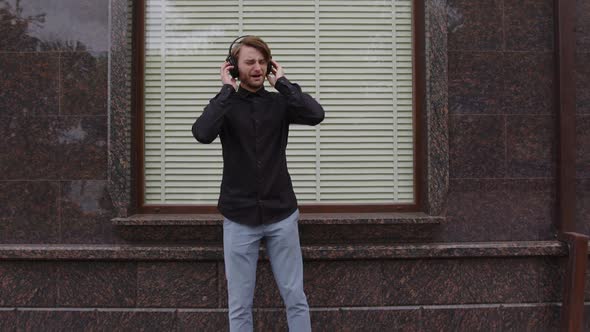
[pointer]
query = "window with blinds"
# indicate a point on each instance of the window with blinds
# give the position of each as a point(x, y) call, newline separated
point(354, 57)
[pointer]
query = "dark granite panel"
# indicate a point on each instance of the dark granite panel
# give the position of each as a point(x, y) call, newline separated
point(475, 82)
point(368, 319)
point(85, 208)
point(54, 147)
point(333, 283)
point(551, 277)
point(271, 320)
point(177, 284)
point(47, 25)
point(171, 234)
point(29, 212)
point(583, 82)
point(29, 148)
point(97, 284)
point(137, 320)
point(351, 234)
point(28, 84)
point(459, 319)
point(83, 83)
point(500, 210)
point(475, 25)
point(8, 320)
point(531, 318)
point(189, 320)
point(50, 320)
point(583, 25)
point(337, 283)
point(266, 292)
point(477, 146)
point(460, 281)
point(83, 148)
point(583, 146)
point(529, 24)
point(583, 206)
point(531, 146)
point(29, 284)
point(528, 83)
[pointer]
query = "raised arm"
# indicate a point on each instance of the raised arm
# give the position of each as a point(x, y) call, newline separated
point(207, 126)
point(301, 107)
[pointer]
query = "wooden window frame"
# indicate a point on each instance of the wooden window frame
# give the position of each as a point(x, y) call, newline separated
point(419, 135)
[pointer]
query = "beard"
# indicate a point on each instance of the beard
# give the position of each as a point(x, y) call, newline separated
point(252, 82)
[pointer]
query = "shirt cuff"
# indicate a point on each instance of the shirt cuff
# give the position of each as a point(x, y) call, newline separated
point(285, 87)
point(226, 92)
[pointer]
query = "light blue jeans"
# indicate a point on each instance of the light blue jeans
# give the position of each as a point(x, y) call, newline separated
point(240, 251)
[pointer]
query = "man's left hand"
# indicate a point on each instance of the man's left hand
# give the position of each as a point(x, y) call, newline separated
point(277, 72)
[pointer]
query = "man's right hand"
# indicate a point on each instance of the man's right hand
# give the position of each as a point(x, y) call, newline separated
point(226, 76)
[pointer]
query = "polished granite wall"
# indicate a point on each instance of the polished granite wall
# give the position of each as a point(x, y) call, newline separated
point(502, 129)
point(55, 175)
point(54, 121)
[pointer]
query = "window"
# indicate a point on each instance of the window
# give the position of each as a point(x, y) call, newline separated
point(355, 57)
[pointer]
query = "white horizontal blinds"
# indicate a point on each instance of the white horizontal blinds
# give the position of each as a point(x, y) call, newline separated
point(186, 42)
point(366, 104)
point(404, 97)
point(289, 28)
point(353, 56)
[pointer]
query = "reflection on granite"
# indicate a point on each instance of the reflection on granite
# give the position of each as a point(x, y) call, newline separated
point(500, 210)
point(96, 284)
point(531, 146)
point(83, 148)
point(83, 82)
point(475, 25)
point(23, 285)
point(177, 284)
point(477, 146)
point(85, 208)
point(529, 25)
point(29, 84)
point(29, 212)
point(47, 25)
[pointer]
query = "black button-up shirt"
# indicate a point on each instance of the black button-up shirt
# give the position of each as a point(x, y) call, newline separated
point(256, 186)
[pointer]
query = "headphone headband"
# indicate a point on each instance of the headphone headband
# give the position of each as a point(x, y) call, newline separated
point(235, 40)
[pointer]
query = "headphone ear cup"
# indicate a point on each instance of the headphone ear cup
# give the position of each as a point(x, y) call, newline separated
point(234, 72)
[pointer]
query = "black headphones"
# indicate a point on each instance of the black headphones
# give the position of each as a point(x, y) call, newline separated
point(234, 72)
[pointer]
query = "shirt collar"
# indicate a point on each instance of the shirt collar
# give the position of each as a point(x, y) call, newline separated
point(245, 93)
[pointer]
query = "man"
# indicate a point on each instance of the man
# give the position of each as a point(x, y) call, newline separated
point(257, 198)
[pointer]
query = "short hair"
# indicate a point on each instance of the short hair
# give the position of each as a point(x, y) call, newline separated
point(255, 42)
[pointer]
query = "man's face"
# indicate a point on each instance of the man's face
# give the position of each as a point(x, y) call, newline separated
point(252, 67)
